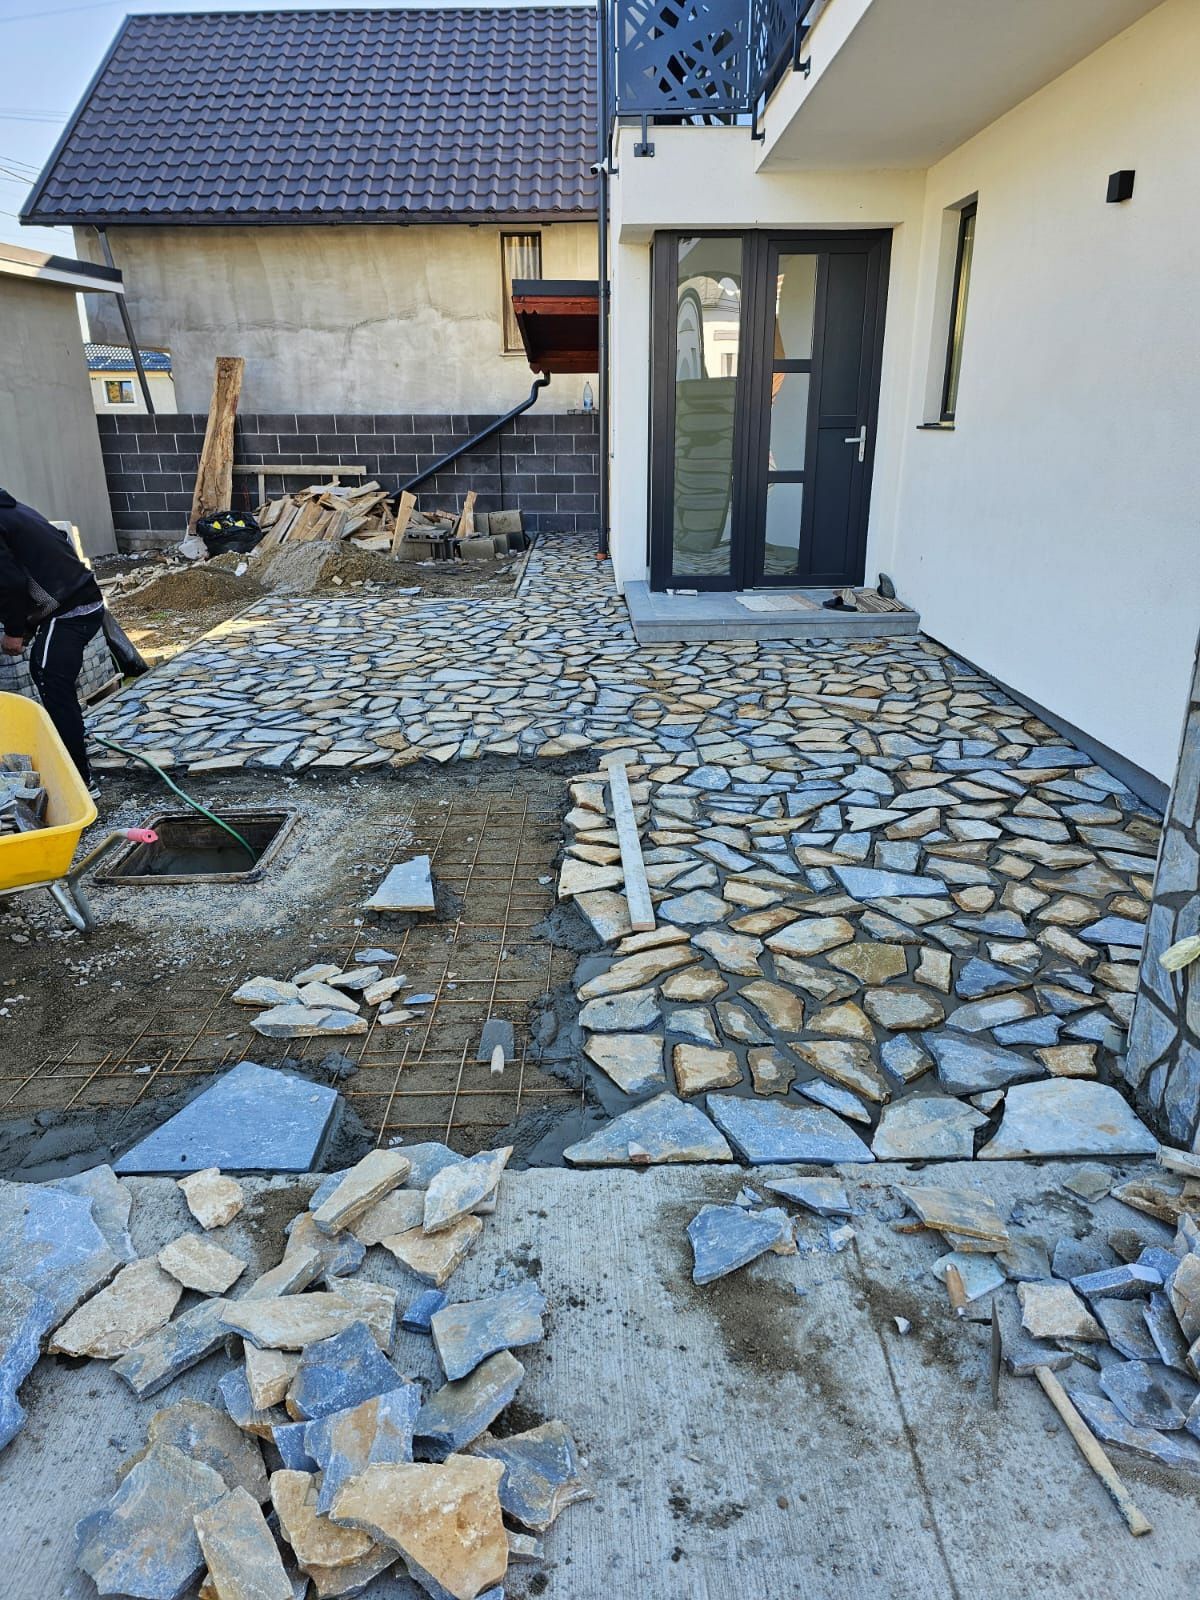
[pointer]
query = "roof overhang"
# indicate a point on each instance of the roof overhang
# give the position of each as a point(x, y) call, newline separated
point(302, 219)
point(901, 83)
point(17, 262)
point(559, 319)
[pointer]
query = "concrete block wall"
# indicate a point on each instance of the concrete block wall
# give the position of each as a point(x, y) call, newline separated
point(1163, 1059)
point(545, 466)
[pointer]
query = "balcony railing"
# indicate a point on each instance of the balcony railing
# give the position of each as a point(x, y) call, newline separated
point(703, 61)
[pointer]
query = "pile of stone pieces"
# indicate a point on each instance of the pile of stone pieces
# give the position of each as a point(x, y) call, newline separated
point(364, 1467)
point(23, 799)
point(325, 1000)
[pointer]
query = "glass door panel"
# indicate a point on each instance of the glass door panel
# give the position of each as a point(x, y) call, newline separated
point(784, 519)
point(789, 421)
point(795, 305)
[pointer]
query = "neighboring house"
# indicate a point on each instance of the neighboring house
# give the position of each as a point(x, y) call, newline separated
point(917, 279)
point(115, 385)
point(49, 448)
point(350, 218)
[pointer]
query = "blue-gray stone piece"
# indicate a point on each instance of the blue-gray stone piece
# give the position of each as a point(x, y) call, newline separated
point(826, 1197)
point(968, 1066)
point(427, 1160)
point(1163, 1327)
point(252, 1119)
point(419, 1312)
point(1158, 1260)
point(235, 1392)
point(347, 1442)
point(112, 1204)
point(1124, 1323)
point(863, 883)
point(25, 1318)
point(468, 1332)
point(1126, 1282)
point(542, 1473)
point(1115, 930)
point(764, 1132)
point(1034, 1030)
point(1178, 1450)
point(142, 1542)
point(151, 1365)
point(979, 978)
point(1149, 1395)
point(339, 1372)
point(289, 1439)
point(50, 1242)
point(460, 1411)
point(725, 1238)
point(662, 1129)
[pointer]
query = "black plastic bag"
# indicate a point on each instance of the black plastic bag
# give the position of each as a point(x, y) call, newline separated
point(126, 654)
point(229, 530)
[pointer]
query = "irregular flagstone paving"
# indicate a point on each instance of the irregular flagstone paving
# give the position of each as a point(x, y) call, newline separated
point(871, 868)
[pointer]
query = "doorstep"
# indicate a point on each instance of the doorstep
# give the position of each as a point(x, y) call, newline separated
point(755, 614)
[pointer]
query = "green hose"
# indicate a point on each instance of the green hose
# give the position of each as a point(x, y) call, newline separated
point(111, 744)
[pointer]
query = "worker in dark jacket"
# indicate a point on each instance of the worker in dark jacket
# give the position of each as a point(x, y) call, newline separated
point(49, 597)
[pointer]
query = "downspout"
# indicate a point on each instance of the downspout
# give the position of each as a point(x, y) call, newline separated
point(127, 321)
point(602, 175)
point(541, 382)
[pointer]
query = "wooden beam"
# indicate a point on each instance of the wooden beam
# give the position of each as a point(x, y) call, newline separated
point(466, 523)
point(214, 474)
point(403, 512)
point(637, 890)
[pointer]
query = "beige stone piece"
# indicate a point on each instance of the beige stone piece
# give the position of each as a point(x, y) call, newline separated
point(212, 1198)
point(869, 962)
point(366, 1183)
point(636, 971)
point(934, 969)
point(269, 1375)
point(782, 1007)
point(290, 1322)
point(242, 1557)
point(810, 936)
point(694, 983)
point(1055, 1311)
point(698, 1068)
point(397, 1212)
point(1069, 1060)
point(845, 1021)
point(316, 1541)
point(846, 1063)
point(139, 1300)
point(200, 1264)
point(433, 1257)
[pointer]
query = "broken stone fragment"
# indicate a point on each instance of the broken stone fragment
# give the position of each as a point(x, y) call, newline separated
point(366, 1183)
point(319, 972)
point(288, 1439)
point(339, 1372)
point(846, 1063)
point(140, 1299)
point(1126, 1282)
point(925, 1128)
point(111, 1205)
point(300, 1267)
point(542, 1473)
point(358, 979)
point(1163, 1328)
point(426, 1160)
point(25, 1318)
point(810, 936)
point(338, 1254)
point(243, 1561)
point(698, 1068)
point(1184, 1294)
point(1124, 1323)
point(1177, 1450)
point(212, 1198)
point(1067, 1117)
point(967, 1212)
point(902, 1008)
point(634, 1061)
point(965, 1066)
point(235, 1392)
point(467, 1333)
point(172, 1349)
point(1055, 1311)
point(345, 1443)
point(660, 1130)
point(456, 1191)
point(445, 1519)
point(290, 1322)
point(621, 1013)
point(770, 1071)
point(376, 1306)
point(142, 1542)
point(200, 1264)
point(408, 886)
point(460, 1411)
point(315, 1540)
point(303, 1022)
point(266, 992)
point(826, 1197)
point(724, 1238)
point(418, 1315)
point(395, 1213)
point(322, 997)
point(434, 1257)
point(767, 1131)
point(50, 1242)
point(269, 1375)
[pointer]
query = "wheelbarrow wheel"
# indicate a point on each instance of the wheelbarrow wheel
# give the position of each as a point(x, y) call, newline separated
point(73, 903)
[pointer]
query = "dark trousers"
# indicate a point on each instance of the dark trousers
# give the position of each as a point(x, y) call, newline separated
point(55, 659)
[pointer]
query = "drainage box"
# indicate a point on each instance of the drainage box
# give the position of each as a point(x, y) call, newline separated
point(191, 849)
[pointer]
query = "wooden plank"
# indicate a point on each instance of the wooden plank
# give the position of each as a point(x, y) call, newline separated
point(303, 471)
point(403, 512)
point(214, 474)
point(1092, 1451)
point(637, 890)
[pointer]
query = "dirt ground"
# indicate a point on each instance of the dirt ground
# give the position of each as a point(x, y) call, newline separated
point(93, 1030)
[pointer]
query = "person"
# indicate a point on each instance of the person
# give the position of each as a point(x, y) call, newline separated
point(51, 600)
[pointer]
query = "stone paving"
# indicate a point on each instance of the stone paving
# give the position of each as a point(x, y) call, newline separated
point(872, 870)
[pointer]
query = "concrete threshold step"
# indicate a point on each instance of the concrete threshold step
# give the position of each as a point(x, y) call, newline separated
point(716, 615)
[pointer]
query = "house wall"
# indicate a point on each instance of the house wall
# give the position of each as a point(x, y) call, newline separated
point(1052, 536)
point(49, 447)
point(343, 319)
point(162, 392)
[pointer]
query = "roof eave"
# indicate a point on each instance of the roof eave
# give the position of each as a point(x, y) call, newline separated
point(305, 219)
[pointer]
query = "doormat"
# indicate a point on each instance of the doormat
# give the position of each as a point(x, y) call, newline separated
point(776, 602)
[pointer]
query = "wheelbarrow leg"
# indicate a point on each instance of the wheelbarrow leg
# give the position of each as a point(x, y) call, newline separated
point(73, 903)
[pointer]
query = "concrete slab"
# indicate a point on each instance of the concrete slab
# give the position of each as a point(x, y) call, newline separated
point(252, 1119)
point(757, 614)
point(771, 1434)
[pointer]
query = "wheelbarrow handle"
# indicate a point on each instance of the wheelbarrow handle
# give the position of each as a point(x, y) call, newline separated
point(137, 835)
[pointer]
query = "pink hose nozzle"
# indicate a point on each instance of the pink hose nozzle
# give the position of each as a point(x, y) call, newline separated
point(142, 835)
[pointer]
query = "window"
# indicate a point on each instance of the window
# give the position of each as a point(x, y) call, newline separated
point(118, 391)
point(520, 257)
point(958, 309)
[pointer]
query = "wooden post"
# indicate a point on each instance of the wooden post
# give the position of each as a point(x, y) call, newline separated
point(637, 889)
point(404, 512)
point(214, 475)
point(466, 523)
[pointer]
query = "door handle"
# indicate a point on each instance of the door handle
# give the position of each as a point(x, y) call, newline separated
point(860, 439)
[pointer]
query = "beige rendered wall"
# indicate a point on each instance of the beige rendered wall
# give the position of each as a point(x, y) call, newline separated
point(49, 445)
point(342, 319)
point(162, 392)
point(1054, 536)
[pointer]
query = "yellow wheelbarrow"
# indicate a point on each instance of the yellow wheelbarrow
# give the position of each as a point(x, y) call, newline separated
point(42, 858)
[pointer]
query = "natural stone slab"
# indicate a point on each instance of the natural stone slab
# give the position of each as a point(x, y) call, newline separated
point(457, 1190)
point(153, 1363)
point(375, 1304)
point(345, 1443)
point(338, 1254)
point(542, 1473)
point(636, 971)
point(1183, 1291)
point(50, 1242)
point(418, 1314)
point(25, 1318)
point(290, 1322)
point(660, 1130)
point(978, 1015)
point(269, 1375)
point(252, 1119)
point(426, 1160)
point(902, 1008)
point(142, 1542)
point(408, 886)
point(338, 1373)
point(966, 1213)
point(321, 997)
point(304, 1022)
point(765, 1131)
point(770, 1071)
point(698, 1068)
point(847, 1063)
point(926, 1128)
point(809, 936)
point(316, 1542)
point(965, 1066)
point(208, 1435)
point(870, 962)
point(634, 1061)
point(140, 1299)
point(242, 1558)
point(782, 1007)
point(213, 1198)
point(621, 1013)
point(1163, 1328)
point(725, 1238)
point(1067, 1117)
point(698, 909)
point(836, 1099)
point(1124, 1324)
point(266, 992)
point(977, 1273)
point(733, 952)
point(200, 1264)
point(434, 1257)
point(825, 1196)
point(845, 1021)
point(865, 884)
point(694, 983)
point(444, 1519)
point(904, 1058)
point(1177, 1450)
point(367, 1182)
point(468, 1332)
point(1129, 1281)
point(1055, 1311)
point(460, 1411)
point(1069, 1060)
point(397, 1212)
point(111, 1206)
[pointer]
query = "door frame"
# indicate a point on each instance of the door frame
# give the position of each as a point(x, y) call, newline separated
point(752, 412)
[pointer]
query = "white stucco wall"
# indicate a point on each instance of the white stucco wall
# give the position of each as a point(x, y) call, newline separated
point(49, 445)
point(1054, 536)
point(342, 319)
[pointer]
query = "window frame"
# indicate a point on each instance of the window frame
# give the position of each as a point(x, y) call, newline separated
point(507, 315)
point(959, 299)
point(122, 386)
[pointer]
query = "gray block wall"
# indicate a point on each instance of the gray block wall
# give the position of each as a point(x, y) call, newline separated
point(1163, 1060)
point(545, 466)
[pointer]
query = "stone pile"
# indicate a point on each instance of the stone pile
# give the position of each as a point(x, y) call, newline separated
point(23, 799)
point(327, 1001)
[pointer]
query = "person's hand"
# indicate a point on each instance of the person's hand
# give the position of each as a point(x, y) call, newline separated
point(11, 645)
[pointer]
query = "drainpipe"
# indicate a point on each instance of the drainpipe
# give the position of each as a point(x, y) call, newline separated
point(602, 175)
point(125, 318)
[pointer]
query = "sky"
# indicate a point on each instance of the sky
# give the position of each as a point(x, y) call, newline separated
point(50, 50)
